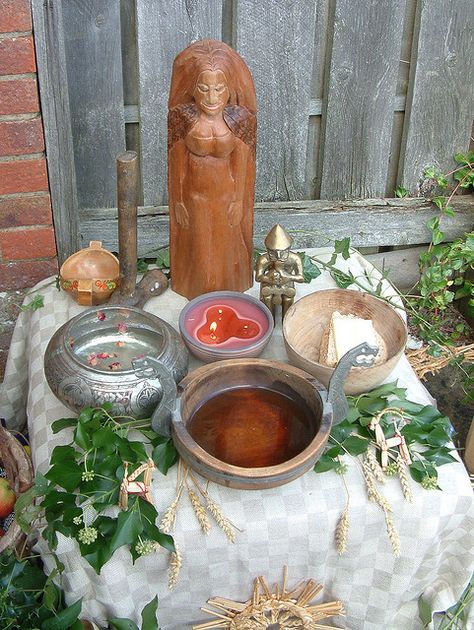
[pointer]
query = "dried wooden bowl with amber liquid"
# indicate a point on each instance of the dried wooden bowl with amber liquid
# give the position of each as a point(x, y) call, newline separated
point(254, 423)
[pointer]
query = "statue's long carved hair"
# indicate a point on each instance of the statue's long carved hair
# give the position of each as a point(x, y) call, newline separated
point(210, 54)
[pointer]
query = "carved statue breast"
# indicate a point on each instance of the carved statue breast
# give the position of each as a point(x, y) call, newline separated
point(215, 146)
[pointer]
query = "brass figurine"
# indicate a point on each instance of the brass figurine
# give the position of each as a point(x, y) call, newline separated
point(211, 174)
point(278, 270)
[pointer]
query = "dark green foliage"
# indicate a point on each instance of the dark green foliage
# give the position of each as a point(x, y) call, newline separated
point(87, 474)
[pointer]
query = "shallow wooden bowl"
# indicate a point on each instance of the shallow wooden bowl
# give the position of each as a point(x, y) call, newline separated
point(256, 437)
point(308, 318)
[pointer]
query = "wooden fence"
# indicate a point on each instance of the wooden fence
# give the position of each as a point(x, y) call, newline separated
point(354, 97)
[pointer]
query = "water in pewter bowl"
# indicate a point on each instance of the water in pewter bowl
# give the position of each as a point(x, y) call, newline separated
point(97, 357)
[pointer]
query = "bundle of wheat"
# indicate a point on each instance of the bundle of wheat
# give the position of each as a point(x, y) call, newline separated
point(424, 363)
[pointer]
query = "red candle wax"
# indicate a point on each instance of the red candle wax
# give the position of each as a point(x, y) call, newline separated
point(222, 323)
point(229, 323)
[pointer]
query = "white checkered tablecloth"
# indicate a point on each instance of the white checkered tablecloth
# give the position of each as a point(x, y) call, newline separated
point(292, 525)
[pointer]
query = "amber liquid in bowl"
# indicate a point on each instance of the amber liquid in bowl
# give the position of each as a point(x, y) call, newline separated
point(252, 427)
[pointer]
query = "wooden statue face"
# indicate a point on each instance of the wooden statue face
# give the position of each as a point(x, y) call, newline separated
point(211, 93)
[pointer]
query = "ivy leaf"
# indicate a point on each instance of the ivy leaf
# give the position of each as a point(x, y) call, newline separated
point(62, 454)
point(97, 553)
point(388, 389)
point(165, 455)
point(52, 595)
point(82, 437)
point(325, 463)
point(139, 450)
point(164, 540)
point(149, 615)
point(104, 438)
point(342, 247)
point(106, 525)
point(341, 431)
point(63, 423)
point(437, 437)
point(66, 474)
point(343, 280)
point(36, 303)
point(335, 451)
point(129, 526)
point(123, 624)
point(64, 619)
point(356, 445)
point(425, 612)
point(163, 259)
point(310, 269)
point(142, 265)
point(86, 414)
point(401, 191)
point(439, 456)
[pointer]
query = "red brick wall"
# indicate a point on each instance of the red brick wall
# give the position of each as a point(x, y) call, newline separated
point(27, 245)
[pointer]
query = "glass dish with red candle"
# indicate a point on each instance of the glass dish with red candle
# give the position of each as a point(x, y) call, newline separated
point(225, 325)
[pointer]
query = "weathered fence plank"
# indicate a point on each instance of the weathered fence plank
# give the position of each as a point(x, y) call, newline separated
point(361, 98)
point(277, 44)
point(94, 67)
point(440, 101)
point(57, 124)
point(401, 266)
point(369, 222)
point(163, 29)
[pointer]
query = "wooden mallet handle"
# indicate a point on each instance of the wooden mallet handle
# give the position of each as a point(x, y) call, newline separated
point(127, 201)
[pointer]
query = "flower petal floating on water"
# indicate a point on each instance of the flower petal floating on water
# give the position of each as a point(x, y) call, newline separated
point(122, 328)
point(115, 366)
point(100, 315)
point(105, 355)
point(92, 359)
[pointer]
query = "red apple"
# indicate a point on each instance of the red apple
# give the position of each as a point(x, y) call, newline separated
point(7, 498)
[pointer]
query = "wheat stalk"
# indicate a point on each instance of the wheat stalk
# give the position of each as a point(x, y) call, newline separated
point(176, 560)
point(404, 481)
point(342, 529)
point(168, 520)
point(372, 492)
point(220, 519)
point(392, 534)
point(200, 511)
point(374, 466)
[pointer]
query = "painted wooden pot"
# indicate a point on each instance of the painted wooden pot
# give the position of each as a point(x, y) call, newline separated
point(254, 423)
point(90, 275)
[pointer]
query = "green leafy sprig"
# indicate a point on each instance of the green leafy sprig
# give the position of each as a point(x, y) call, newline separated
point(84, 480)
point(29, 599)
point(427, 433)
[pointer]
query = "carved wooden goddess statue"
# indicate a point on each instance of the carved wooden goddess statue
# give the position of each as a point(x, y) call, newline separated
point(211, 170)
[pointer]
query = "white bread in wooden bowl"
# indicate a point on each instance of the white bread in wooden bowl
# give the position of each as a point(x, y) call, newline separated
point(308, 332)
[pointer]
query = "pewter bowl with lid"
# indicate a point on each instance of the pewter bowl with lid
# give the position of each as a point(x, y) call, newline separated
point(121, 355)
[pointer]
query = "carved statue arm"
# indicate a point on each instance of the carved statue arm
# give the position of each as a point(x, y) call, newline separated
point(177, 164)
point(239, 157)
